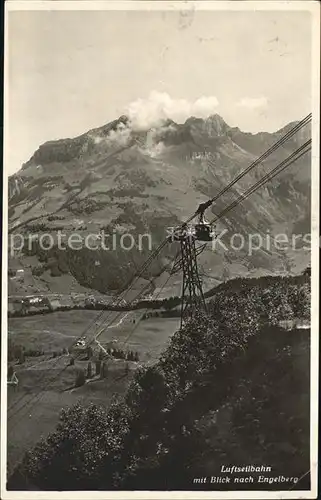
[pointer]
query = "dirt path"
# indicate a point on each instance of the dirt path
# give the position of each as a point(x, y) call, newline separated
point(115, 325)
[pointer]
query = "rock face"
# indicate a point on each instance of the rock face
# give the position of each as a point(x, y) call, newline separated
point(118, 179)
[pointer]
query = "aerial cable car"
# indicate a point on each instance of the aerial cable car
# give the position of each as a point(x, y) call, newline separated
point(203, 229)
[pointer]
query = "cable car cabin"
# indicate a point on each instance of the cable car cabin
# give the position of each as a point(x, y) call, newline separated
point(204, 232)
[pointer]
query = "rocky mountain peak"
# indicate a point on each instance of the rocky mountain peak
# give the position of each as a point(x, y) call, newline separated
point(212, 126)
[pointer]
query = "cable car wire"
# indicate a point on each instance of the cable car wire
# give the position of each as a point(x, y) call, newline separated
point(266, 178)
point(305, 148)
point(258, 160)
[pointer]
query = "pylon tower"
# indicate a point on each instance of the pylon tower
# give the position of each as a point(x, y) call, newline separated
point(193, 301)
point(192, 298)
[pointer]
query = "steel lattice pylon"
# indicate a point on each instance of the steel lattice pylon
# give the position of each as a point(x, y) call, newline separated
point(193, 300)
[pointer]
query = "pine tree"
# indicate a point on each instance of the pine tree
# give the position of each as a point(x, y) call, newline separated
point(103, 370)
point(89, 352)
point(225, 274)
point(21, 358)
point(98, 367)
point(80, 378)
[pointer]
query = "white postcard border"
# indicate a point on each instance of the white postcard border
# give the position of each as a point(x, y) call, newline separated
point(60, 5)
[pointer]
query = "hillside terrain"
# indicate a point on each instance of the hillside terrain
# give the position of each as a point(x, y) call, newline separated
point(121, 180)
point(229, 388)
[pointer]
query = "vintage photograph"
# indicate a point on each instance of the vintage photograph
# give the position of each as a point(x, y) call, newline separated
point(161, 194)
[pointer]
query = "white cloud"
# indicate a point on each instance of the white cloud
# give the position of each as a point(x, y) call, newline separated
point(150, 115)
point(120, 135)
point(153, 149)
point(253, 102)
point(159, 107)
point(150, 145)
point(97, 139)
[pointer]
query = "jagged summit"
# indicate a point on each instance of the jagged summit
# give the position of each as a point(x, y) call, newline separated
point(215, 120)
point(123, 120)
point(212, 126)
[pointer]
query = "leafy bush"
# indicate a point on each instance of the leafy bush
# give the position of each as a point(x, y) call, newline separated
point(38, 270)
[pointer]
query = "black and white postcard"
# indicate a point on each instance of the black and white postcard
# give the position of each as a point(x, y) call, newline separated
point(160, 250)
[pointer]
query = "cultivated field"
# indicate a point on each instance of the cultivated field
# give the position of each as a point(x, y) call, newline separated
point(58, 330)
point(43, 390)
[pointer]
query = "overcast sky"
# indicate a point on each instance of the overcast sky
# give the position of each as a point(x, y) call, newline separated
point(71, 71)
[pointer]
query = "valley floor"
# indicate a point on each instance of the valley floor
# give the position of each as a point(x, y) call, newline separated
point(47, 392)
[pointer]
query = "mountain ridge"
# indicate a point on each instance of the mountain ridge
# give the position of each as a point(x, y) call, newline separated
point(104, 130)
point(121, 178)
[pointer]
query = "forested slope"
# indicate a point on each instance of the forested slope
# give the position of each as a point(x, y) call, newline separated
point(231, 388)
